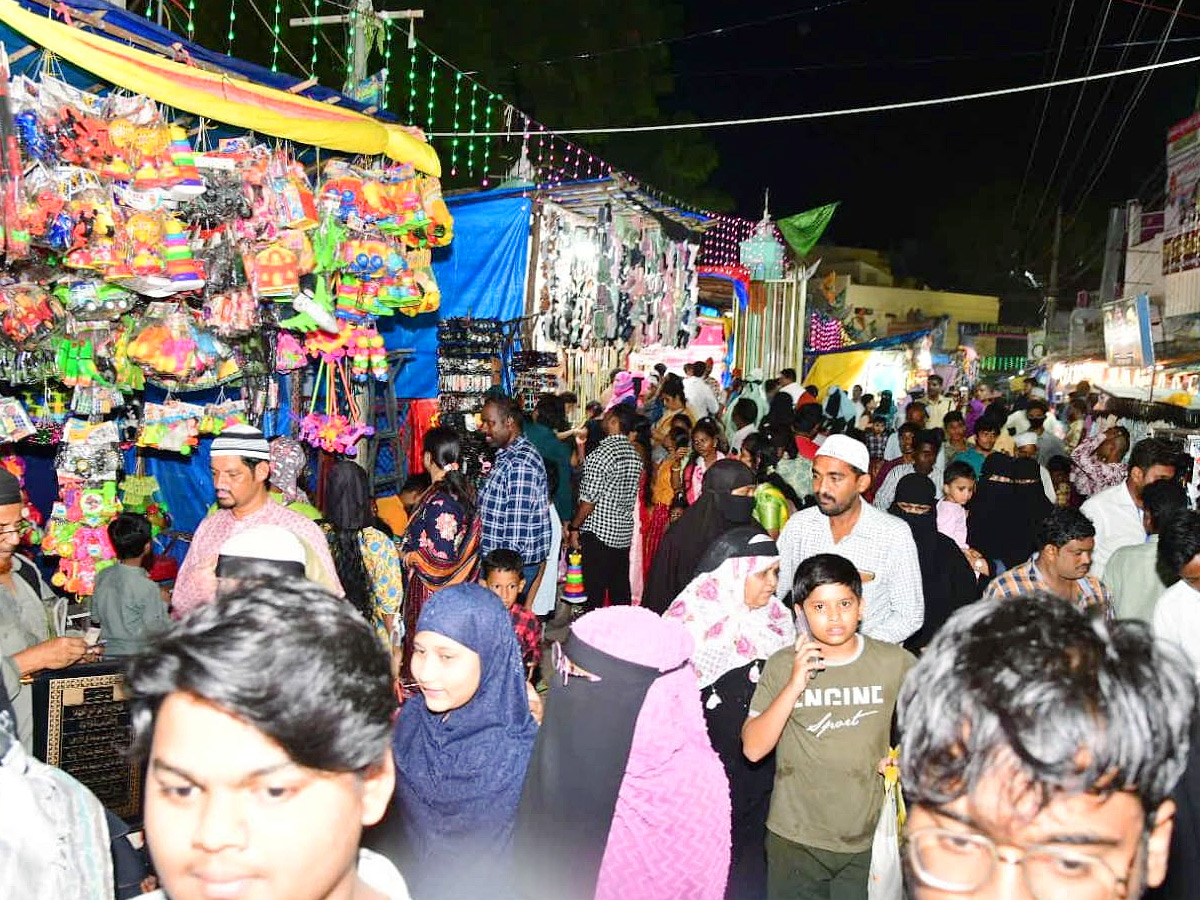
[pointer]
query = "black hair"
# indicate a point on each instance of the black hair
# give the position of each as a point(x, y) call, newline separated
point(551, 412)
point(1033, 690)
point(508, 407)
point(865, 399)
point(1162, 500)
point(788, 373)
point(682, 420)
point(808, 418)
point(626, 417)
point(289, 659)
point(1150, 452)
point(1063, 525)
point(931, 437)
point(958, 469)
point(811, 390)
point(745, 411)
point(1038, 404)
point(501, 560)
point(1058, 463)
point(672, 386)
point(823, 568)
point(347, 502)
point(568, 398)
point(418, 482)
point(770, 384)
point(445, 449)
point(129, 534)
point(1178, 543)
point(916, 404)
point(934, 376)
point(593, 408)
point(764, 454)
point(989, 423)
point(951, 417)
point(909, 428)
point(680, 436)
point(641, 435)
point(877, 417)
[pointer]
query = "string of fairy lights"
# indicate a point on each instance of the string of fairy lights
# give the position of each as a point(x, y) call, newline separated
point(436, 88)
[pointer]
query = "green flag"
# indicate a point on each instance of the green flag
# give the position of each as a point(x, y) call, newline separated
point(803, 230)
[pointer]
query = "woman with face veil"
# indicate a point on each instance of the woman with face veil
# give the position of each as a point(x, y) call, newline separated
point(625, 798)
point(946, 577)
point(727, 500)
point(730, 611)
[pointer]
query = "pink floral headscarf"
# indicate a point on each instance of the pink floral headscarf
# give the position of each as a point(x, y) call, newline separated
point(728, 633)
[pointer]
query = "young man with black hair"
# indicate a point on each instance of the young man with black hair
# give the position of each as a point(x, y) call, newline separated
point(1132, 572)
point(1060, 567)
point(924, 462)
point(128, 605)
point(987, 431)
point(954, 429)
point(1048, 443)
point(745, 418)
point(1177, 613)
point(512, 501)
point(937, 404)
point(263, 795)
point(1040, 747)
point(602, 527)
point(1117, 511)
point(915, 415)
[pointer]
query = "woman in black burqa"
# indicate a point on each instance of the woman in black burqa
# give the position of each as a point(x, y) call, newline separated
point(716, 510)
point(947, 579)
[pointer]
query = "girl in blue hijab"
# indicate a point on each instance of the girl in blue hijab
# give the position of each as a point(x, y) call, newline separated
point(462, 748)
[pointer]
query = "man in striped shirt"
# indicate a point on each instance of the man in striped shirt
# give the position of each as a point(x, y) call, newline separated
point(1060, 567)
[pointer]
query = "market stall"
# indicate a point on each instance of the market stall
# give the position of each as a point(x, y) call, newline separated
point(165, 275)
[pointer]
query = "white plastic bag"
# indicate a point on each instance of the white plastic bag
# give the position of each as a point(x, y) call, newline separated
point(887, 876)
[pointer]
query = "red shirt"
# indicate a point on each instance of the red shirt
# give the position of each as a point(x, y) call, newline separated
point(808, 448)
point(529, 634)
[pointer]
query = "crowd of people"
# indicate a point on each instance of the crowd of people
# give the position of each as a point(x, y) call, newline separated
point(778, 589)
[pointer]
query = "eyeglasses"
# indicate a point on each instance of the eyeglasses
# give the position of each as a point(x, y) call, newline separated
point(963, 862)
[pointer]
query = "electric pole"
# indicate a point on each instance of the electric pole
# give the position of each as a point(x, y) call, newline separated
point(357, 17)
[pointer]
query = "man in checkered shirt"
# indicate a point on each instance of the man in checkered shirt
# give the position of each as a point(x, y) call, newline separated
point(602, 527)
point(513, 506)
point(880, 545)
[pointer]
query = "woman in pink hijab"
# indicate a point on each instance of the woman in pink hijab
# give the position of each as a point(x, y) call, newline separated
point(625, 796)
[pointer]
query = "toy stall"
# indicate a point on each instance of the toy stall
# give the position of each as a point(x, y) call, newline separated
point(182, 250)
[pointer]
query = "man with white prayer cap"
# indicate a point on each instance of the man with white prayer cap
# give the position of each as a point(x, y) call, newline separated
point(880, 545)
point(241, 469)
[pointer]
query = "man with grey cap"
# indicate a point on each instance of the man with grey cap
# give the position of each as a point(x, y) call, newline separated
point(880, 545)
point(27, 643)
point(241, 468)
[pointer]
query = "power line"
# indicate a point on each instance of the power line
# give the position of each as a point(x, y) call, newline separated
point(1037, 134)
point(696, 35)
point(1116, 135)
point(839, 113)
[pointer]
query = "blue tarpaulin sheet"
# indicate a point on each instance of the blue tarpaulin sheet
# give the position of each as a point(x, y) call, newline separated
point(481, 274)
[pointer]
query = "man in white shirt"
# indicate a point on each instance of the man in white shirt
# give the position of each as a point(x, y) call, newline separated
point(880, 546)
point(698, 394)
point(1117, 511)
point(914, 413)
point(1177, 612)
point(789, 385)
point(937, 404)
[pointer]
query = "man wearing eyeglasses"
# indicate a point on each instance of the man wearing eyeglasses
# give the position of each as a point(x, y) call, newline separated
point(27, 645)
point(1039, 751)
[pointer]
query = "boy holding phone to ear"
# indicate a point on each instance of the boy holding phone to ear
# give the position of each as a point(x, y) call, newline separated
point(827, 706)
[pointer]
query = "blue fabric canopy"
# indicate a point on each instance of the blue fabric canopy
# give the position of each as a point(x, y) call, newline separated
point(481, 274)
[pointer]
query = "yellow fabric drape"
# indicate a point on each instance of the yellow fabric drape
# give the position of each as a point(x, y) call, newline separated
point(242, 104)
point(842, 369)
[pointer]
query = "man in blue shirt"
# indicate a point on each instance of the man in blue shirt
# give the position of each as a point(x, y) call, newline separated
point(512, 503)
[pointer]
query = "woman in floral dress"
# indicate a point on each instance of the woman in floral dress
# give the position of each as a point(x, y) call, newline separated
point(440, 546)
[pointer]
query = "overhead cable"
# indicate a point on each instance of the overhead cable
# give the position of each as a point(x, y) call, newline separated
point(838, 113)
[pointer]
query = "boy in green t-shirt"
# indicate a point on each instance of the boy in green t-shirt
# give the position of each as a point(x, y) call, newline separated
point(826, 706)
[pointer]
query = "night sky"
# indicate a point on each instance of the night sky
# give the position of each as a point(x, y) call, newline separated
point(896, 171)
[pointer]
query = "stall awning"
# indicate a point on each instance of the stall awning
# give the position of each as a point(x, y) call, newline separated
point(222, 98)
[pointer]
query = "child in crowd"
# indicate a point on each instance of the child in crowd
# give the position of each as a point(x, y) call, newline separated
point(958, 487)
point(128, 605)
point(679, 506)
point(825, 706)
point(501, 573)
point(1059, 467)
